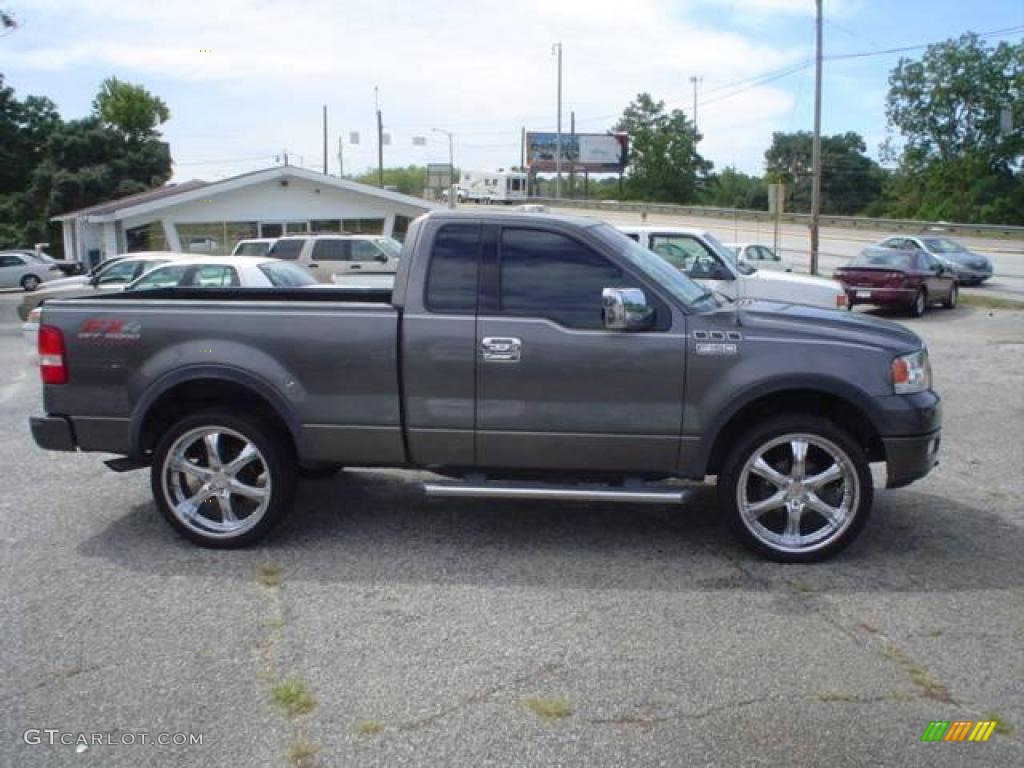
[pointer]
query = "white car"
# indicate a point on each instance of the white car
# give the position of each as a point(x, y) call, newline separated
point(701, 256)
point(759, 256)
point(20, 269)
point(342, 259)
point(225, 272)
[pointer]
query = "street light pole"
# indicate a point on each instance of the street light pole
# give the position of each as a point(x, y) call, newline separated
point(816, 147)
point(557, 48)
point(451, 165)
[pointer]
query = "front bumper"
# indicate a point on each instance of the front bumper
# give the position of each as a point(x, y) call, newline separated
point(910, 458)
point(54, 433)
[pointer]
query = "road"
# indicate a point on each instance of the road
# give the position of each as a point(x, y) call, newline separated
point(422, 632)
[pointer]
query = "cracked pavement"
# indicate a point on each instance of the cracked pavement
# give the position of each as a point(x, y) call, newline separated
point(420, 627)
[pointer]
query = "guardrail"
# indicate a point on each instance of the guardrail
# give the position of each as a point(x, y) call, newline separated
point(848, 222)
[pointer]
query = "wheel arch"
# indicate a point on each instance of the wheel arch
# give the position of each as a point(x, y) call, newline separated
point(176, 394)
point(820, 396)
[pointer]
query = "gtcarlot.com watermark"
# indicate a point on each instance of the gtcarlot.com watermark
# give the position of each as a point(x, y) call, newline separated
point(82, 740)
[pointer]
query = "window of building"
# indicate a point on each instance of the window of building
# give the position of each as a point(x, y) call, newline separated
point(364, 226)
point(452, 275)
point(325, 225)
point(217, 238)
point(148, 237)
point(401, 227)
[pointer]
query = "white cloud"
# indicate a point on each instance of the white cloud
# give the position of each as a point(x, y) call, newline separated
point(482, 69)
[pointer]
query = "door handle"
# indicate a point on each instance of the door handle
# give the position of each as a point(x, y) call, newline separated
point(501, 349)
point(312, 265)
point(355, 266)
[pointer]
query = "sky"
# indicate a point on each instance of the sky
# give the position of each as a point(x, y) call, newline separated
point(246, 80)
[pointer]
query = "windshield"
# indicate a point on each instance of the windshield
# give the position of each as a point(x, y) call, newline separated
point(728, 255)
point(284, 274)
point(390, 246)
point(942, 245)
point(251, 249)
point(657, 269)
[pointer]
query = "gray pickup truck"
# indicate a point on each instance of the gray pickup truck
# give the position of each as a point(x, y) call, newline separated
point(517, 356)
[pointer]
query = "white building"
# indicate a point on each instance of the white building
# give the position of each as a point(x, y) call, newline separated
point(211, 217)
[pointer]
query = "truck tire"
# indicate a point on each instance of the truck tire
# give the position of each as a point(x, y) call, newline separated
point(796, 489)
point(223, 479)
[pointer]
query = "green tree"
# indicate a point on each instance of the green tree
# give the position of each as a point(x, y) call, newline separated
point(733, 189)
point(130, 109)
point(955, 160)
point(664, 164)
point(850, 180)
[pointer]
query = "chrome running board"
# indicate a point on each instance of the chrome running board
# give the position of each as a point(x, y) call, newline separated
point(556, 492)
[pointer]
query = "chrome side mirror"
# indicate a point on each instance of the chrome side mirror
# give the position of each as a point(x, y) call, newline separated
point(626, 309)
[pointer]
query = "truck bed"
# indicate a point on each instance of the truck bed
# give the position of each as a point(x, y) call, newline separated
point(326, 358)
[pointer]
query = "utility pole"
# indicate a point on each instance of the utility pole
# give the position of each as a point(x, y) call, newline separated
point(452, 193)
point(325, 139)
point(341, 159)
point(380, 141)
point(572, 163)
point(557, 48)
point(816, 147)
point(695, 80)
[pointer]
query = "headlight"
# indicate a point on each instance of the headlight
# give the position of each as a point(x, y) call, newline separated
point(911, 373)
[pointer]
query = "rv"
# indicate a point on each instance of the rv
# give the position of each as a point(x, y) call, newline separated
point(498, 186)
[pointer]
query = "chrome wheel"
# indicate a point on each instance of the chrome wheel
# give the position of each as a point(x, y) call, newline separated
point(798, 493)
point(216, 482)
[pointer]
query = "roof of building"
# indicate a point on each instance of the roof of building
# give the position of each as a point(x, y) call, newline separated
point(173, 194)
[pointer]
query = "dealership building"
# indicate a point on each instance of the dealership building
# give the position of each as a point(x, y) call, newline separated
point(210, 217)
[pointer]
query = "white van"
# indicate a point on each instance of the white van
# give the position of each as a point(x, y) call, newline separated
point(498, 186)
point(704, 259)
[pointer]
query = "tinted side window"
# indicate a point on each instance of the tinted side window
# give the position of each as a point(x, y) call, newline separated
point(10, 261)
point(329, 250)
point(544, 274)
point(452, 275)
point(287, 249)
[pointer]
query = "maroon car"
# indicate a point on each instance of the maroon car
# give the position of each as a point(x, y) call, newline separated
point(909, 280)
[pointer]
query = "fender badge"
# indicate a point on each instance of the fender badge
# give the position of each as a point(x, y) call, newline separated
point(713, 348)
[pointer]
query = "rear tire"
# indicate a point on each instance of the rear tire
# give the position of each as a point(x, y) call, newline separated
point(954, 295)
point(792, 509)
point(223, 479)
point(920, 303)
point(30, 283)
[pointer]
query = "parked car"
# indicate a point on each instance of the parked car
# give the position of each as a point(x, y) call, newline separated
point(254, 246)
point(759, 256)
point(66, 266)
point(18, 268)
point(225, 272)
point(111, 275)
point(970, 268)
point(699, 255)
point(909, 280)
point(342, 259)
point(522, 356)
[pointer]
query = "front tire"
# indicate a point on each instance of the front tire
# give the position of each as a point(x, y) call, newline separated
point(222, 479)
point(30, 283)
point(796, 489)
point(920, 303)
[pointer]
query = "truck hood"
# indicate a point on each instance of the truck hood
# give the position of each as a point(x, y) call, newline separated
point(806, 322)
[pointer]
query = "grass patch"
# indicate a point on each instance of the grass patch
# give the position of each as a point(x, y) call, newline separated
point(989, 302)
point(548, 708)
point(801, 587)
point(301, 752)
point(268, 575)
point(293, 697)
point(835, 696)
point(927, 686)
point(935, 633)
point(369, 727)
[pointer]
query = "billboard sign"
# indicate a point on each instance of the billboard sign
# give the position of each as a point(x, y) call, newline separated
point(593, 152)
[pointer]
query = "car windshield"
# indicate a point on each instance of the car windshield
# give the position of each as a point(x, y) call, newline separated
point(390, 246)
point(657, 269)
point(883, 258)
point(943, 245)
point(283, 274)
point(728, 255)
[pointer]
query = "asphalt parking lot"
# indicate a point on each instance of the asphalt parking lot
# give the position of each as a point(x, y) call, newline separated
point(378, 628)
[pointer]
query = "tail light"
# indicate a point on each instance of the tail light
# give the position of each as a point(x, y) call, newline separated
point(51, 355)
point(894, 279)
point(841, 300)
